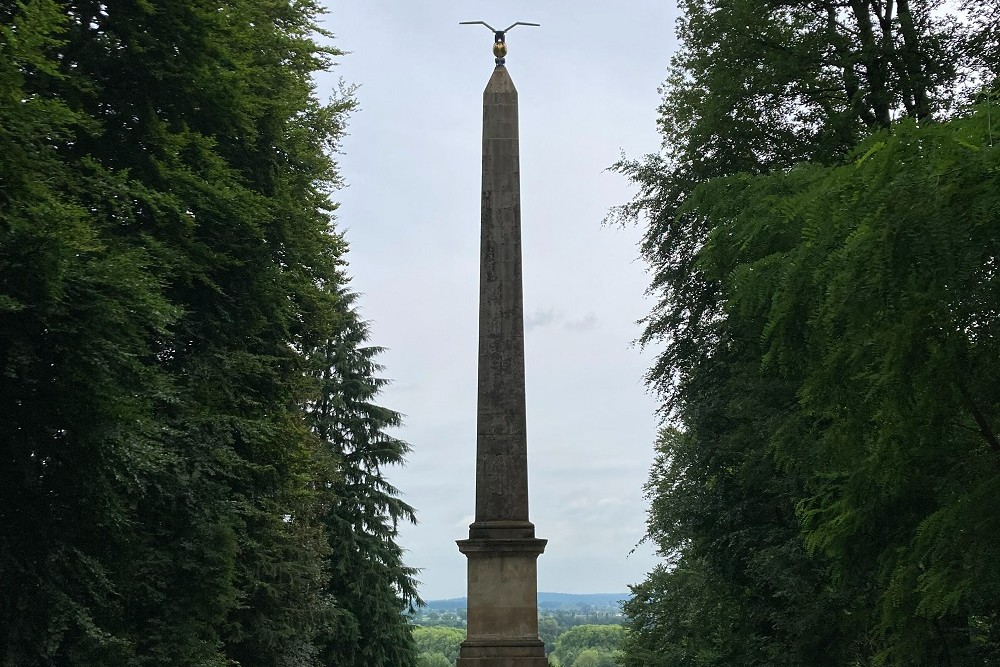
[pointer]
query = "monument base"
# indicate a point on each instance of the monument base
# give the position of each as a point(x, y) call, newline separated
point(502, 653)
point(503, 662)
point(502, 622)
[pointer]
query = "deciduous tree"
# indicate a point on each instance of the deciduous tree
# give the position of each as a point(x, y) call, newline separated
point(167, 260)
point(743, 511)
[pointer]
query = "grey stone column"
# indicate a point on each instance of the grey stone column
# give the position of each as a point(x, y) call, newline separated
point(502, 549)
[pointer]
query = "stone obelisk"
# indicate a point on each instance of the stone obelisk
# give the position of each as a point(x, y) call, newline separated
point(502, 548)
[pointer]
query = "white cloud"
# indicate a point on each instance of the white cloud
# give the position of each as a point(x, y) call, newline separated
point(541, 318)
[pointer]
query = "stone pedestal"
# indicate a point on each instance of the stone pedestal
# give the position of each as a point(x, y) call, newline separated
point(502, 548)
point(503, 602)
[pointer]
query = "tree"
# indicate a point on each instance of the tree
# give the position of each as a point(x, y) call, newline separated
point(167, 259)
point(434, 660)
point(548, 631)
point(80, 312)
point(370, 581)
point(597, 639)
point(738, 586)
point(594, 658)
point(758, 86)
point(736, 492)
point(903, 439)
point(442, 640)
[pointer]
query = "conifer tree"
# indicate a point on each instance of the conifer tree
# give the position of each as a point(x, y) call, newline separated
point(370, 583)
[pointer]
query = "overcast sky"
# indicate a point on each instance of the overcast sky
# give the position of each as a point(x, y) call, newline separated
point(587, 83)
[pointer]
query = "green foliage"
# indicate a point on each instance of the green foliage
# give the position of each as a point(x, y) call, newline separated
point(885, 316)
point(434, 660)
point(857, 344)
point(548, 630)
point(594, 658)
point(370, 581)
point(445, 641)
point(594, 644)
point(167, 267)
point(828, 305)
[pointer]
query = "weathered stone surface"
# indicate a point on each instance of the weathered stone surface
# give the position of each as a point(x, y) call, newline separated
point(503, 662)
point(503, 597)
point(502, 549)
point(501, 443)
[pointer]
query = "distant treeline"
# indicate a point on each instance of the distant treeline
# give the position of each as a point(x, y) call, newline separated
point(602, 601)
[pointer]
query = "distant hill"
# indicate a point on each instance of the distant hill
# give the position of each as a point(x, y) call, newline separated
point(548, 601)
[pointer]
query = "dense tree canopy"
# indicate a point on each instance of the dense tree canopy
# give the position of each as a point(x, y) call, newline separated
point(167, 268)
point(434, 660)
point(439, 640)
point(593, 645)
point(881, 302)
point(823, 233)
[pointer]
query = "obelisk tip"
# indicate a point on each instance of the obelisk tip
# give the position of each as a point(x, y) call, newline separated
point(500, 81)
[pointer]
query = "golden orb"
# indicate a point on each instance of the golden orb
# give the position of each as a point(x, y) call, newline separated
point(499, 49)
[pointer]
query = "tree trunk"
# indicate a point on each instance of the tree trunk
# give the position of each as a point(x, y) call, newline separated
point(912, 67)
point(879, 97)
